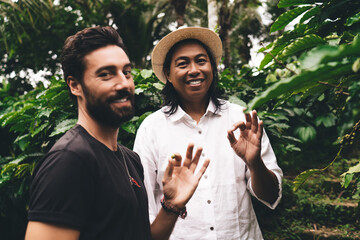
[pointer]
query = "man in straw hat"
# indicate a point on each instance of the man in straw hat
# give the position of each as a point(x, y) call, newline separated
point(242, 160)
point(88, 186)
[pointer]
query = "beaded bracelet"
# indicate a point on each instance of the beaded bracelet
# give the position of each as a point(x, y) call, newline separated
point(168, 207)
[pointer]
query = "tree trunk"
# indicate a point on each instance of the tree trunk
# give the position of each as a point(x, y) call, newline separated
point(224, 32)
point(180, 7)
point(212, 14)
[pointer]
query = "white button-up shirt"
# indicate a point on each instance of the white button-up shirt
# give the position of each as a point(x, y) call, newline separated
point(221, 206)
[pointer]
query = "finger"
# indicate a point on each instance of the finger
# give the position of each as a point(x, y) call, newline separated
point(189, 152)
point(260, 131)
point(168, 171)
point(196, 158)
point(248, 121)
point(254, 125)
point(231, 137)
point(177, 159)
point(240, 125)
point(202, 169)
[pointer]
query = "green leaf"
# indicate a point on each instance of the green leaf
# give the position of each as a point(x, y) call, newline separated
point(352, 20)
point(305, 79)
point(300, 44)
point(284, 19)
point(345, 50)
point(158, 85)
point(236, 100)
point(309, 14)
point(356, 65)
point(347, 179)
point(302, 177)
point(289, 3)
point(146, 73)
point(306, 133)
point(270, 56)
point(327, 120)
point(40, 129)
point(63, 127)
point(314, 57)
point(353, 169)
point(129, 127)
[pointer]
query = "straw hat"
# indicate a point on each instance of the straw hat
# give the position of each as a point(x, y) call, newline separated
point(204, 35)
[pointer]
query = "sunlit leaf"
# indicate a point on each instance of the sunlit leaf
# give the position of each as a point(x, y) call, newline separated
point(302, 177)
point(306, 78)
point(300, 44)
point(63, 126)
point(352, 20)
point(284, 19)
point(146, 73)
point(289, 3)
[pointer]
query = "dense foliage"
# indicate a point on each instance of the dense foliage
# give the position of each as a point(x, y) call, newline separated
point(306, 89)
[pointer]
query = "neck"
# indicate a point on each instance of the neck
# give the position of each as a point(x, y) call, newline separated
point(104, 134)
point(195, 109)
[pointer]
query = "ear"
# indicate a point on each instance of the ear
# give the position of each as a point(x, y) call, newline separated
point(74, 85)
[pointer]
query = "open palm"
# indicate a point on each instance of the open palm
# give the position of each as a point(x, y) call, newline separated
point(179, 181)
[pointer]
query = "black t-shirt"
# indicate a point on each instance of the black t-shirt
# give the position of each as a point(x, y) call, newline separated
point(82, 184)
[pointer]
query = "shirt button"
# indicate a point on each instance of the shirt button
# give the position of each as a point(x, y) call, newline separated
point(205, 176)
point(203, 154)
point(208, 201)
point(211, 228)
point(199, 131)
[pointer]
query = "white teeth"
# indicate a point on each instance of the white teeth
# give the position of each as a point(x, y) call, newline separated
point(194, 82)
point(121, 100)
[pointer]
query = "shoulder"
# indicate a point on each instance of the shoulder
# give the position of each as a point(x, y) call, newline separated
point(153, 121)
point(73, 150)
point(231, 109)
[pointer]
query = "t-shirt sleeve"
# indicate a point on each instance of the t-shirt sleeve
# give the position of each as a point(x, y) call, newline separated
point(60, 191)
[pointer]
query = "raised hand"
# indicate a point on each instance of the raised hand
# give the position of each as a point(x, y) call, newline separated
point(248, 146)
point(179, 181)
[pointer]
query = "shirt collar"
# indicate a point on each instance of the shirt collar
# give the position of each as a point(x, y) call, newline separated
point(180, 113)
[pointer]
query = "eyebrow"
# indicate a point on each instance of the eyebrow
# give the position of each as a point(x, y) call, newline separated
point(112, 67)
point(185, 57)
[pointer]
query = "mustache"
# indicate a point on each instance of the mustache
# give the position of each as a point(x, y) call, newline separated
point(121, 94)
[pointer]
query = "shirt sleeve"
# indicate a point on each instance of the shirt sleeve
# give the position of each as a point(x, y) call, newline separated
point(142, 144)
point(269, 159)
point(60, 190)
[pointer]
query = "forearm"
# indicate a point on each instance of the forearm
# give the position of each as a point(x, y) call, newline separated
point(163, 225)
point(264, 182)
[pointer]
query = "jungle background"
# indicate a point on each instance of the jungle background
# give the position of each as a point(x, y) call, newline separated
point(305, 87)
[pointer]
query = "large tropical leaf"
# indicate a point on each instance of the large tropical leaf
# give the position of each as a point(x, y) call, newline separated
point(303, 80)
point(289, 3)
point(270, 56)
point(284, 19)
point(300, 44)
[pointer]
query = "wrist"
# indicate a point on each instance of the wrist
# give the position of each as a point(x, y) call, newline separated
point(170, 208)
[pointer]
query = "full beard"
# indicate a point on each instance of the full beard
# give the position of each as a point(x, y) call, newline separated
point(104, 114)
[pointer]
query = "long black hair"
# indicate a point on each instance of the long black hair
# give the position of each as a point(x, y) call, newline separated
point(171, 98)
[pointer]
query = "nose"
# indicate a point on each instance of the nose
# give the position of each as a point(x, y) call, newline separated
point(122, 82)
point(193, 70)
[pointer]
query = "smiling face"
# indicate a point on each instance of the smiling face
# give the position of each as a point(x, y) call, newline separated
point(191, 73)
point(108, 87)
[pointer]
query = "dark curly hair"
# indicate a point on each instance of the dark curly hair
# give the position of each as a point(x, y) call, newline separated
point(171, 98)
point(77, 46)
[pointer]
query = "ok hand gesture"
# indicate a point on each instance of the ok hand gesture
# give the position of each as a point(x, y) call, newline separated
point(248, 146)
